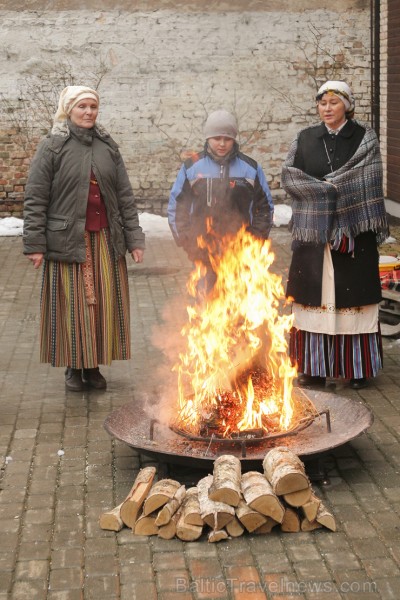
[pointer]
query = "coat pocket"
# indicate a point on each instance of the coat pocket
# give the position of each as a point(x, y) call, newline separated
point(56, 234)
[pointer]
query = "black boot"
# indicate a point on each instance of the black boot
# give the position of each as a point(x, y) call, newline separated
point(311, 381)
point(359, 384)
point(73, 380)
point(94, 378)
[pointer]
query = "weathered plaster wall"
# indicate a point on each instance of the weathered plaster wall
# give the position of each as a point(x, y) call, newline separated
point(170, 63)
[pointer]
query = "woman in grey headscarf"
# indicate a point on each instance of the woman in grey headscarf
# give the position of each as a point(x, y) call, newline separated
point(80, 218)
point(333, 173)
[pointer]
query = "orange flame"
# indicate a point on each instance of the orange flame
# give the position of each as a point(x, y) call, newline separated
point(236, 358)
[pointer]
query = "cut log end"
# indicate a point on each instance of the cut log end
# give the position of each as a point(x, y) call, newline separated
point(217, 535)
point(111, 520)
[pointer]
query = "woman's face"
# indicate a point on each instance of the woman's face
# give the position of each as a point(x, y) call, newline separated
point(84, 114)
point(332, 110)
point(221, 145)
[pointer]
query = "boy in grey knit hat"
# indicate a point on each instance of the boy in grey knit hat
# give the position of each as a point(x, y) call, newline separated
point(220, 186)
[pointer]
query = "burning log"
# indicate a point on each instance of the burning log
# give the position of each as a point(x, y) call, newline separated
point(161, 492)
point(249, 517)
point(133, 502)
point(169, 509)
point(226, 480)
point(111, 520)
point(191, 508)
point(285, 471)
point(259, 495)
point(234, 527)
point(224, 408)
point(215, 514)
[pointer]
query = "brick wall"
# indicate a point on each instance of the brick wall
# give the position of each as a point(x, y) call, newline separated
point(170, 63)
point(14, 165)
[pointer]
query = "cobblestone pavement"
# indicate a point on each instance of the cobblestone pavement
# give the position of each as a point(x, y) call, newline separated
point(60, 470)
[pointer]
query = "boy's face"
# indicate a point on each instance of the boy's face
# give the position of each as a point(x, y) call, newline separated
point(221, 145)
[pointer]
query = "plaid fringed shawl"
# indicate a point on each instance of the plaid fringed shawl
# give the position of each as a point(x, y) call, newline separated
point(348, 202)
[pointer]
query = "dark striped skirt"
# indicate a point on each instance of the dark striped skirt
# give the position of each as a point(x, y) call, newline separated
point(85, 311)
point(348, 356)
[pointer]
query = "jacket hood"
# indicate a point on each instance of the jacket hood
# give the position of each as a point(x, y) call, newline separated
point(62, 131)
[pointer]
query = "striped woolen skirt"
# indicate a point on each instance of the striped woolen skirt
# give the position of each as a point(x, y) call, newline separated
point(85, 318)
point(348, 356)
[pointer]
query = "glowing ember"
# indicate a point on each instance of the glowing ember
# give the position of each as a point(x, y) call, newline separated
point(235, 375)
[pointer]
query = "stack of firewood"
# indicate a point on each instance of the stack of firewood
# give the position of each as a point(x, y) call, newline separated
point(225, 504)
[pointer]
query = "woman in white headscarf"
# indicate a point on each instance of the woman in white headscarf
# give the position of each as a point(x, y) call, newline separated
point(80, 218)
point(333, 173)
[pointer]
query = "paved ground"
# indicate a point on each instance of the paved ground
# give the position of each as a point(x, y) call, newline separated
point(60, 470)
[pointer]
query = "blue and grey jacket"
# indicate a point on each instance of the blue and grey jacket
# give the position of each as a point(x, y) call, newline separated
point(232, 193)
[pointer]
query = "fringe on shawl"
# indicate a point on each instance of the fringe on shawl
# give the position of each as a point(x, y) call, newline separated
point(349, 201)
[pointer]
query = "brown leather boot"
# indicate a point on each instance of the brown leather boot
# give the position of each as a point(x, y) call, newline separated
point(73, 380)
point(94, 378)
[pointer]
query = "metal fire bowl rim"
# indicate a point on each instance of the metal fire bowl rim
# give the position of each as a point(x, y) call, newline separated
point(349, 418)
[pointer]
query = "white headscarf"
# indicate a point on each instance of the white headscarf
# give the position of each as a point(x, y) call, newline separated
point(341, 90)
point(69, 97)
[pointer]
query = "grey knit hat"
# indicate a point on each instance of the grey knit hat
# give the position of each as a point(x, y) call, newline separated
point(220, 122)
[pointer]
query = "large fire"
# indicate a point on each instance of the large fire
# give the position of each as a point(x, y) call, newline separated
point(235, 375)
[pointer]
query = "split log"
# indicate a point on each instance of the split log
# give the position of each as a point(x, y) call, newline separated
point(169, 509)
point(234, 528)
point(266, 527)
point(325, 518)
point(161, 492)
point(146, 525)
point(191, 508)
point(291, 521)
point(133, 502)
point(226, 480)
point(310, 508)
point(168, 531)
point(259, 495)
point(307, 525)
point(249, 517)
point(285, 471)
point(298, 498)
point(215, 514)
point(111, 520)
point(185, 531)
point(217, 535)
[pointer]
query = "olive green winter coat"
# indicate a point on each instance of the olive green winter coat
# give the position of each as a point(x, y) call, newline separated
point(57, 192)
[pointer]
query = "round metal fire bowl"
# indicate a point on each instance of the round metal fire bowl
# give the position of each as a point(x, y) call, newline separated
point(348, 419)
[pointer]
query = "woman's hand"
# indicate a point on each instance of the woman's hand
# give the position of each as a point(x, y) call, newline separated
point(137, 255)
point(36, 258)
